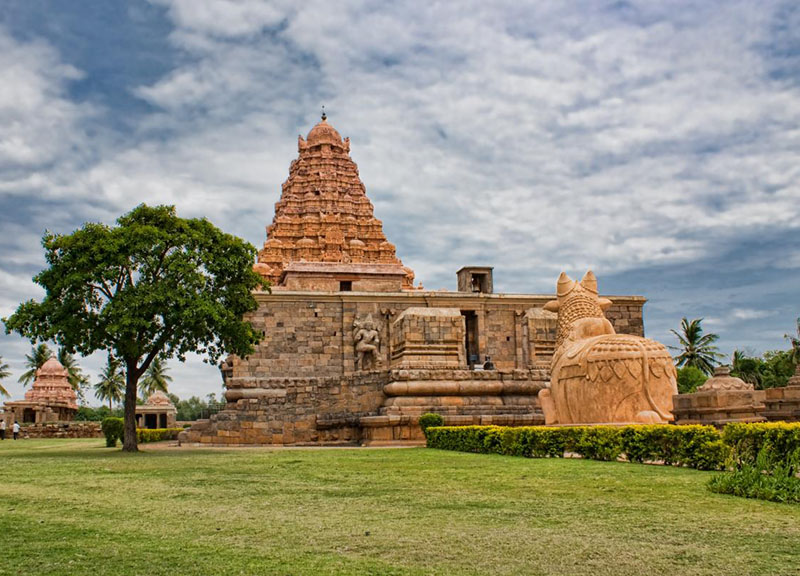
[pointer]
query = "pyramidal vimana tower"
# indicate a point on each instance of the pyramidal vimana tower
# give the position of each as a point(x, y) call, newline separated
point(352, 351)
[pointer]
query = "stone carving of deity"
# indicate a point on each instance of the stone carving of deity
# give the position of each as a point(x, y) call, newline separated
point(367, 342)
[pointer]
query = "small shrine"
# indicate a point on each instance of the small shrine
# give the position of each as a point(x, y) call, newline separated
point(50, 399)
point(721, 400)
point(157, 412)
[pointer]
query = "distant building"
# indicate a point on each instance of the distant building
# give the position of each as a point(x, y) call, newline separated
point(157, 412)
point(50, 399)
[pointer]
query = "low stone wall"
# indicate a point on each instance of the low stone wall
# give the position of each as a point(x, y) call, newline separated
point(61, 430)
point(292, 411)
point(783, 404)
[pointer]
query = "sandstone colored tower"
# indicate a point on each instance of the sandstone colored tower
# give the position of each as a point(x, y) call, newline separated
point(324, 235)
point(50, 399)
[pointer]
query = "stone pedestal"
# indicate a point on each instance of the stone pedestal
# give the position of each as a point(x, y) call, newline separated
point(783, 404)
point(721, 400)
point(462, 397)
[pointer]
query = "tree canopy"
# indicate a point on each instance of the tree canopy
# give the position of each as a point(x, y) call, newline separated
point(771, 370)
point(154, 284)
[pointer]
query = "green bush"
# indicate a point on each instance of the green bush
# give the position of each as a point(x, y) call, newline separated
point(694, 446)
point(429, 420)
point(599, 443)
point(157, 434)
point(113, 429)
point(690, 378)
point(764, 479)
point(774, 443)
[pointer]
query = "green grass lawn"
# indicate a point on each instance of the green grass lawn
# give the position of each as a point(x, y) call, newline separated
point(76, 507)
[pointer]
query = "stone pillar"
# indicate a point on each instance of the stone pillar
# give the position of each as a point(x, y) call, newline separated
point(482, 349)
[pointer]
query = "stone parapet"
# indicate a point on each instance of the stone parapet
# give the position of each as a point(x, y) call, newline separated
point(428, 337)
point(719, 407)
point(782, 404)
point(62, 430)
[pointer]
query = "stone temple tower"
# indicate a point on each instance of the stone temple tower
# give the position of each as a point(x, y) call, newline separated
point(324, 235)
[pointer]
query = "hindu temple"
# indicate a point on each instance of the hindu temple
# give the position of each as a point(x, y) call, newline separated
point(50, 398)
point(158, 411)
point(353, 351)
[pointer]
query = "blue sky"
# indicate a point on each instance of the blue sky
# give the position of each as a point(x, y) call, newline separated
point(657, 143)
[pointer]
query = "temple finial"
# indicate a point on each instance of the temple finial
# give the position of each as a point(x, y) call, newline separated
point(324, 117)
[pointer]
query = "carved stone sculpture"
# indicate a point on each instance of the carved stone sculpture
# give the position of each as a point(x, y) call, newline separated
point(597, 375)
point(367, 342)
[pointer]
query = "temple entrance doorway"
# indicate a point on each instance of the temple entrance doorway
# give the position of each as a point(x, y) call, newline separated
point(151, 421)
point(471, 337)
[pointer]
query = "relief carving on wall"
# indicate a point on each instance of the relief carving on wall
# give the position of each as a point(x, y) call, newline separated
point(367, 342)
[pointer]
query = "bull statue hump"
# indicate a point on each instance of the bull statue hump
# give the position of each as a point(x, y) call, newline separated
point(597, 375)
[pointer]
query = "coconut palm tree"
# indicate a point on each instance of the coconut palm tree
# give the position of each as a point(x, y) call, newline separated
point(111, 386)
point(746, 367)
point(155, 378)
point(75, 376)
point(696, 349)
point(4, 373)
point(33, 361)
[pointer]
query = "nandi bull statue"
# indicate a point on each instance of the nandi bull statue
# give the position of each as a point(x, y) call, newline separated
point(598, 375)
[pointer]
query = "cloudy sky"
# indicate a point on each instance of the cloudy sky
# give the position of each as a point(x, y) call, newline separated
point(656, 142)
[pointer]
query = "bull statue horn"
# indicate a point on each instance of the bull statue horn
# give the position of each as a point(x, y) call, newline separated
point(565, 284)
point(589, 281)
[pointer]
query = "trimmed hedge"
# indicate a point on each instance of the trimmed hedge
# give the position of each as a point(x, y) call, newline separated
point(430, 419)
point(776, 443)
point(698, 447)
point(113, 429)
point(157, 434)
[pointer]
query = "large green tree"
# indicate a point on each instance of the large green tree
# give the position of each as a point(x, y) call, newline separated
point(33, 361)
point(111, 384)
point(696, 349)
point(155, 378)
point(154, 284)
point(5, 372)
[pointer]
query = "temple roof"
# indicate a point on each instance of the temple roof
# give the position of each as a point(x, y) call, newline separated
point(324, 133)
point(158, 398)
point(323, 214)
point(52, 367)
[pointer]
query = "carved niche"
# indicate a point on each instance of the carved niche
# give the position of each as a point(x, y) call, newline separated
point(367, 342)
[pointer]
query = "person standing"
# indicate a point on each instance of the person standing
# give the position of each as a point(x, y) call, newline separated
point(15, 429)
point(2, 427)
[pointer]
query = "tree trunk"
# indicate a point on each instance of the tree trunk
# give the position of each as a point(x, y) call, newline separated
point(131, 381)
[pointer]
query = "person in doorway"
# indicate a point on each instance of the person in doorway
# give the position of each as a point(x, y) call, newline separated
point(15, 429)
point(2, 427)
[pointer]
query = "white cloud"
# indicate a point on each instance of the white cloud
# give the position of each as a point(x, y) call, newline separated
point(534, 137)
point(225, 18)
point(40, 125)
point(749, 314)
